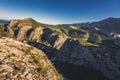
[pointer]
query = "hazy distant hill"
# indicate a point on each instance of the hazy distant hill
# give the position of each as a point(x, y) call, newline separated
point(107, 25)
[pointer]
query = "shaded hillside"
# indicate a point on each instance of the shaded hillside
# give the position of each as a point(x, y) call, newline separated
point(108, 25)
point(73, 72)
point(104, 59)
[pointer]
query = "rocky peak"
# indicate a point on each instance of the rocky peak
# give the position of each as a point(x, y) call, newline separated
point(29, 19)
point(13, 22)
point(111, 19)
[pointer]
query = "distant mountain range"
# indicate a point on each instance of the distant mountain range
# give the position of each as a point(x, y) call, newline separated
point(108, 25)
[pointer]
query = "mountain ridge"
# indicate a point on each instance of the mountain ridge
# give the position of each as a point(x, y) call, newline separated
point(75, 44)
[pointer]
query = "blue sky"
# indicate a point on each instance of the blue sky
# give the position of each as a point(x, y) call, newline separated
point(60, 11)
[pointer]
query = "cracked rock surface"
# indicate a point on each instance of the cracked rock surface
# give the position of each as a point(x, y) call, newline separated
point(19, 61)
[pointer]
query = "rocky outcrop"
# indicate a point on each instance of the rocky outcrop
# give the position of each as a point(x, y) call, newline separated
point(13, 22)
point(35, 34)
point(22, 32)
point(104, 59)
point(10, 25)
point(19, 61)
point(59, 42)
point(17, 31)
point(55, 40)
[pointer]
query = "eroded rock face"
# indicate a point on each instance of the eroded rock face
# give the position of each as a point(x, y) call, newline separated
point(23, 62)
point(11, 24)
point(22, 32)
point(59, 42)
point(104, 59)
point(17, 31)
point(36, 34)
point(55, 40)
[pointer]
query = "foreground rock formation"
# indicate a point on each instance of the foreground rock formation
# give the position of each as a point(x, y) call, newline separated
point(19, 61)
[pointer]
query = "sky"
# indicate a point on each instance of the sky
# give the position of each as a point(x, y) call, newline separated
point(60, 11)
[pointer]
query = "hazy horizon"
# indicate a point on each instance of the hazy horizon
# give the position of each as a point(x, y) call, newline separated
point(60, 11)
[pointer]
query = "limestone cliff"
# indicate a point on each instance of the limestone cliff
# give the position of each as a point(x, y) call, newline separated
point(32, 31)
point(35, 35)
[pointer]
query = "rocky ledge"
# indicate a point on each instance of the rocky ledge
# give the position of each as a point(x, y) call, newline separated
point(19, 61)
